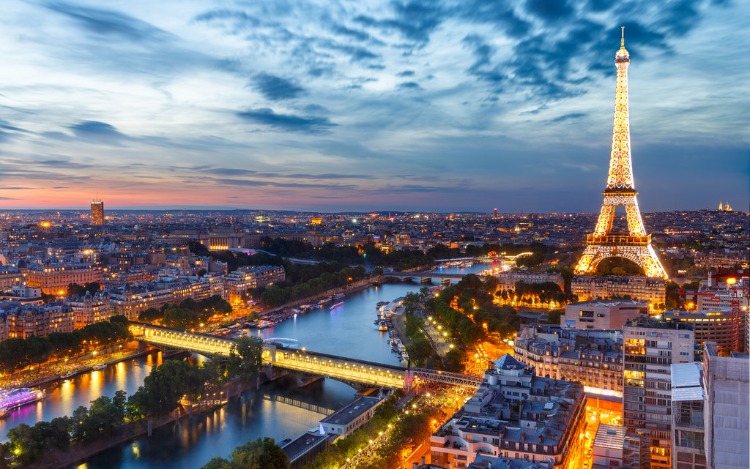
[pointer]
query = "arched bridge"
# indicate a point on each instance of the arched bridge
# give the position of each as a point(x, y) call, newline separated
point(331, 366)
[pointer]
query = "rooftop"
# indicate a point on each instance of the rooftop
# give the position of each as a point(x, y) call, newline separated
point(686, 381)
point(352, 410)
point(303, 443)
point(610, 436)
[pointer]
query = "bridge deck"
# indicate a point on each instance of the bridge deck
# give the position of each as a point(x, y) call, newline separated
point(340, 368)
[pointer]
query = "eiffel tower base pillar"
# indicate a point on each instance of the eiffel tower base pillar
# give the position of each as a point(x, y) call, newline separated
point(644, 256)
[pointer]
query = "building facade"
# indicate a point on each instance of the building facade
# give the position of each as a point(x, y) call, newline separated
point(650, 289)
point(688, 430)
point(591, 357)
point(97, 213)
point(602, 315)
point(54, 280)
point(727, 408)
point(19, 321)
point(650, 348)
point(720, 327)
point(91, 309)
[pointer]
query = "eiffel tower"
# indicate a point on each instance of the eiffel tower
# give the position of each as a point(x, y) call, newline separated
point(634, 244)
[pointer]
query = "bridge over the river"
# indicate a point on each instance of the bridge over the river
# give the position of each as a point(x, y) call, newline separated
point(330, 366)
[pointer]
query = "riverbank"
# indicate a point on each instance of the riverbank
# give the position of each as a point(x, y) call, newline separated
point(49, 373)
point(280, 313)
point(78, 453)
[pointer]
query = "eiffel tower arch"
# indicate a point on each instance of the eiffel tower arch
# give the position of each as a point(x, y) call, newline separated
point(633, 244)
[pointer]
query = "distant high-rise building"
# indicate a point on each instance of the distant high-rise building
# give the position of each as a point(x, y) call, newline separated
point(97, 212)
point(609, 240)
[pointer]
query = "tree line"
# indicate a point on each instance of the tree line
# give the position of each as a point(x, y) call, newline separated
point(189, 314)
point(283, 292)
point(368, 254)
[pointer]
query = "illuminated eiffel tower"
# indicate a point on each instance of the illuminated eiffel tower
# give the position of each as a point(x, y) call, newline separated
point(633, 244)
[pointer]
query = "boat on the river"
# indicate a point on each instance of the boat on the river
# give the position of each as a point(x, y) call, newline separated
point(383, 326)
point(336, 305)
point(339, 296)
point(15, 398)
point(68, 374)
point(262, 324)
point(100, 366)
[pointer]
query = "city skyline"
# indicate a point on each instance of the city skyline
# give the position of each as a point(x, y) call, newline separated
point(421, 106)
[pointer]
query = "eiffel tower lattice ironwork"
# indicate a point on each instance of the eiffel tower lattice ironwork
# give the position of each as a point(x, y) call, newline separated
point(635, 244)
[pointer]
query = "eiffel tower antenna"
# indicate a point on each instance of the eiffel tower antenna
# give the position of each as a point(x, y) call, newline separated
point(635, 244)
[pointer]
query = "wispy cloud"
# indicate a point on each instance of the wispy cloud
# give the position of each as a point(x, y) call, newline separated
point(290, 122)
point(276, 88)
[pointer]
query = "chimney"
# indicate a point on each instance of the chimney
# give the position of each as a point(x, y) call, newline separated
point(448, 466)
point(423, 460)
point(414, 466)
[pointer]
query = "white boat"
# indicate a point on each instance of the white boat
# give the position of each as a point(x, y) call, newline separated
point(262, 324)
point(100, 366)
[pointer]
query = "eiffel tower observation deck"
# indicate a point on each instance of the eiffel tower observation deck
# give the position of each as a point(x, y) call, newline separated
point(633, 244)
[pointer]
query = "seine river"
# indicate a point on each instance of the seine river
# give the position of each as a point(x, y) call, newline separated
point(279, 410)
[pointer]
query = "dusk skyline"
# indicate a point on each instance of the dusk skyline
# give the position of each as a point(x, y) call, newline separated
point(422, 106)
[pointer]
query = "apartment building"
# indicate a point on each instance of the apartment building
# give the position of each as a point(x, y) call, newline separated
point(514, 415)
point(650, 348)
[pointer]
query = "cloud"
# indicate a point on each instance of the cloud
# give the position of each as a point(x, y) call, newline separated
point(109, 23)
point(415, 20)
point(406, 73)
point(482, 67)
point(409, 85)
point(549, 10)
point(8, 198)
point(288, 185)
point(329, 176)
point(7, 126)
point(353, 33)
point(568, 117)
point(498, 14)
point(276, 88)
point(97, 132)
point(289, 122)
point(227, 171)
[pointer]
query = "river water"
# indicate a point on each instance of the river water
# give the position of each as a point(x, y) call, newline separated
point(279, 410)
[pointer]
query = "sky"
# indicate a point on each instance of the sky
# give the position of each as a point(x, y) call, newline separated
point(424, 105)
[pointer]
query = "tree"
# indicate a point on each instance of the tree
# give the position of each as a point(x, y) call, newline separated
point(246, 358)
point(419, 349)
point(260, 454)
point(553, 317)
point(23, 445)
point(150, 315)
point(161, 390)
point(218, 463)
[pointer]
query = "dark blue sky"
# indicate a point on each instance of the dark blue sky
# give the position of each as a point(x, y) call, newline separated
point(422, 105)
